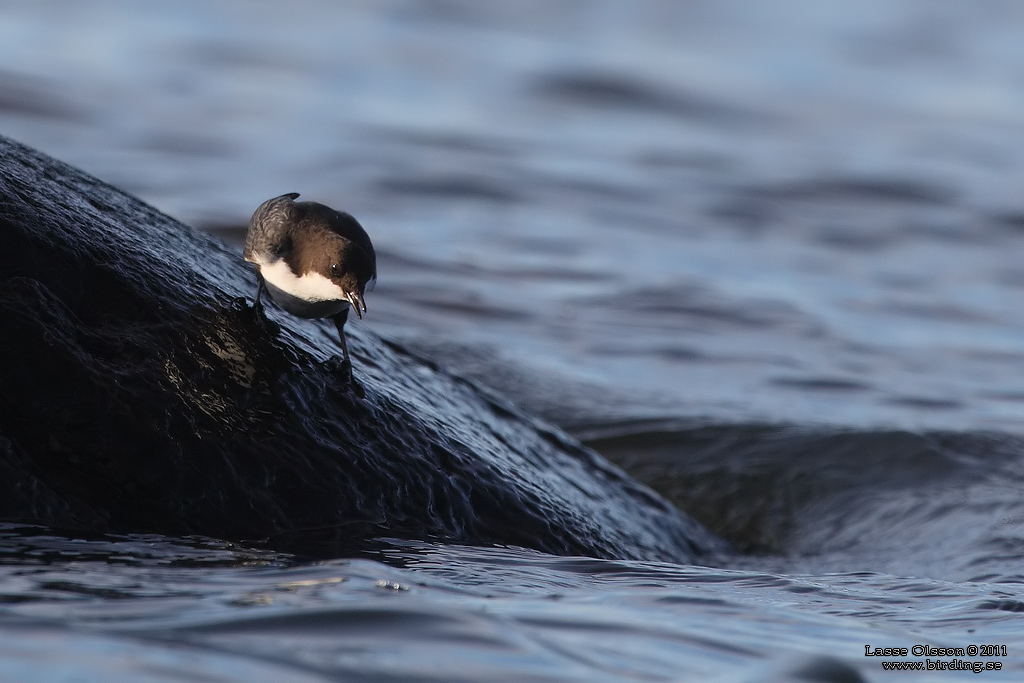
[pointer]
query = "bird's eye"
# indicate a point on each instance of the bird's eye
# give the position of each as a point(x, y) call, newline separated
point(335, 269)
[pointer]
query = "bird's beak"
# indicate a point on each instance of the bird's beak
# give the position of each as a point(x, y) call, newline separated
point(357, 302)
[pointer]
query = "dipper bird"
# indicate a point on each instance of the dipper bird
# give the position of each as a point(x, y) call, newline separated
point(314, 261)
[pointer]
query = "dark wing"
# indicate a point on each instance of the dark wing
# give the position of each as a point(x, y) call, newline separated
point(268, 215)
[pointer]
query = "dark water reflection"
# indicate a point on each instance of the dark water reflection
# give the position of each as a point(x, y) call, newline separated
point(669, 227)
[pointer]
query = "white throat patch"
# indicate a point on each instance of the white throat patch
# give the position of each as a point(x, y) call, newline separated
point(310, 287)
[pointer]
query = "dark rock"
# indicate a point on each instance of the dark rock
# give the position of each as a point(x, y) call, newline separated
point(139, 393)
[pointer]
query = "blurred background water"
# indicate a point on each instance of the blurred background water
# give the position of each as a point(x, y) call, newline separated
point(765, 255)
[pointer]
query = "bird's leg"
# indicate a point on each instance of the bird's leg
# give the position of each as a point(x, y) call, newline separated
point(346, 363)
point(257, 308)
point(258, 305)
point(339, 321)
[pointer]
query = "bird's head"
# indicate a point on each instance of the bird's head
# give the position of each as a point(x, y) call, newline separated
point(351, 270)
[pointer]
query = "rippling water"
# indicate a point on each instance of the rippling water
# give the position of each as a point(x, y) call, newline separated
point(766, 256)
point(127, 608)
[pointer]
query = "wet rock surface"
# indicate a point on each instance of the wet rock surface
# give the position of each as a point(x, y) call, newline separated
point(139, 393)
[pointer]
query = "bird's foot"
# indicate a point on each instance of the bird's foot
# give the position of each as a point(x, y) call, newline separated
point(259, 314)
point(343, 369)
point(356, 387)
